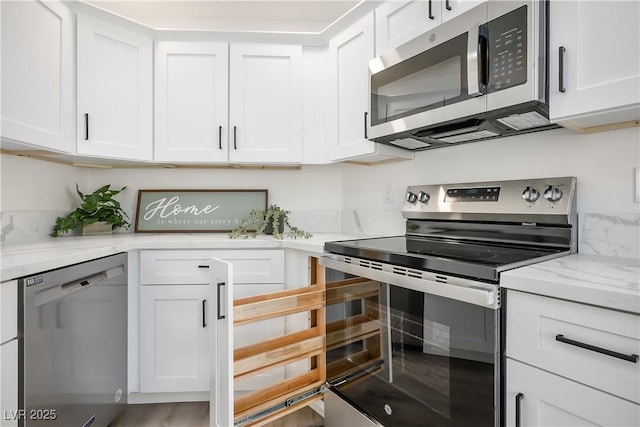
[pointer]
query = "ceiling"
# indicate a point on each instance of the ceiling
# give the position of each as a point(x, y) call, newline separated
point(297, 16)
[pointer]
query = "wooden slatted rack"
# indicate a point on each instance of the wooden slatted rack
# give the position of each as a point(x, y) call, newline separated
point(257, 407)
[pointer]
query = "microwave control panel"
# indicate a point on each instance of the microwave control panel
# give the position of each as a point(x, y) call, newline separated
point(507, 47)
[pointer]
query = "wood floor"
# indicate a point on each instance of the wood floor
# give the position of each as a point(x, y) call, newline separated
point(196, 414)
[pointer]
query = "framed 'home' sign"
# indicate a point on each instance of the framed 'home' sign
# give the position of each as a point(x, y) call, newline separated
point(195, 211)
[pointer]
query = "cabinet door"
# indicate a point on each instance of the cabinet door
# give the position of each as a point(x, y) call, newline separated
point(542, 399)
point(348, 91)
point(114, 91)
point(38, 74)
point(9, 384)
point(397, 22)
point(191, 102)
point(265, 103)
point(599, 82)
point(174, 344)
point(453, 8)
point(8, 311)
point(221, 343)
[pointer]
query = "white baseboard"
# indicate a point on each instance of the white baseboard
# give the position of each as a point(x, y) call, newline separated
point(141, 398)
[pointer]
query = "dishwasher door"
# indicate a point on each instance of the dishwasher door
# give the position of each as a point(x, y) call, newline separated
point(73, 344)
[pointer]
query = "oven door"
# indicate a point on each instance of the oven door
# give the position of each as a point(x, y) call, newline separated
point(434, 78)
point(400, 356)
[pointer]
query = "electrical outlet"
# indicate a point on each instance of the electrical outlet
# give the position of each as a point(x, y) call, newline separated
point(387, 194)
point(637, 183)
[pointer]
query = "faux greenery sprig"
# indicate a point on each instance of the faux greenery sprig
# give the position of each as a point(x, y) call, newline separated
point(97, 206)
point(258, 220)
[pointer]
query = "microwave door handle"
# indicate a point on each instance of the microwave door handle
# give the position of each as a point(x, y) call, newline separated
point(473, 71)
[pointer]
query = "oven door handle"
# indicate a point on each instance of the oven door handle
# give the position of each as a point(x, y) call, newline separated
point(477, 293)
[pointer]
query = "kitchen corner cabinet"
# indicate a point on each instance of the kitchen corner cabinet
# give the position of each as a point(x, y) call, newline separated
point(115, 91)
point(556, 371)
point(38, 74)
point(218, 103)
point(348, 96)
point(594, 63)
point(175, 319)
point(9, 353)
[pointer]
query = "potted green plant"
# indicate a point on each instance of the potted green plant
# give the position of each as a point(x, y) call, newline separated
point(271, 222)
point(96, 208)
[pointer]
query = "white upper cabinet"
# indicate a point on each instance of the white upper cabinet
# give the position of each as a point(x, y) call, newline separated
point(594, 63)
point(348, 91)
point(397, 22)
point(115, 91)
point(265, 104)
point(348, 96)
point(453, 8)
point(216, 103)
point(191, 102)
point(38, 74)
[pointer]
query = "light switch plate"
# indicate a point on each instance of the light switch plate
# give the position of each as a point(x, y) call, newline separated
point(636, 175)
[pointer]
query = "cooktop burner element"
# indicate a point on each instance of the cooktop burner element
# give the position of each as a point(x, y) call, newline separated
point(454, 229)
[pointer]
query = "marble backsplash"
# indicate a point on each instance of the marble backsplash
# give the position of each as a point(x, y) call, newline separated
point(23, 226)
point(606, 234)
point(609, 234)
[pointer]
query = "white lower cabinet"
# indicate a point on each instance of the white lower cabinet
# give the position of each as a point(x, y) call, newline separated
point(9, 354)
point(176, 315)
point(174, 339)
point(9, 383)
point(538, 398)
point(570, 364)
point(174, 347)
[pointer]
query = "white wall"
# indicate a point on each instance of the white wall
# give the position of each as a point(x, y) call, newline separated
point(602, 162)
point(33, 194)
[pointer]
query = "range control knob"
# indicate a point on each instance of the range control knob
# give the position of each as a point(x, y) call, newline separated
point(411, 197)
point(552, 193)
point(423, 197)
point(530, 194)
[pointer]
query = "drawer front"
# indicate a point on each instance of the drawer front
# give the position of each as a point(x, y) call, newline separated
point(547, 400)
point(8, 310)
point(538, 329)
point(183, 267)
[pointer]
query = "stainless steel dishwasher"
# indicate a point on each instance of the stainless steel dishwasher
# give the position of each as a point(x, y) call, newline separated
point(73, 344)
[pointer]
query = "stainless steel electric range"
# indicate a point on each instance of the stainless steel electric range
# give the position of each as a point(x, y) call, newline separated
point(414, 325)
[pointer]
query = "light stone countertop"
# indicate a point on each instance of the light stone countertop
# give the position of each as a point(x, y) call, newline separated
point(608, 282)
point(22, 259)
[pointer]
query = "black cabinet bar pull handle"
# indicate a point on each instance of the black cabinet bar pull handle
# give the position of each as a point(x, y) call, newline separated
point(86, 126)
point(365, 124)
point(633, 358)
point(561, 52)
point(431, 10)
point(519, 397)
point(447, 5)
point(235, 141)
point(204, 313)
point(220, 137)
point(203, 266)
point(220, 285)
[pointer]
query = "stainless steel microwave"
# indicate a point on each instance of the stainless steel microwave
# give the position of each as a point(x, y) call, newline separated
point(479, 76)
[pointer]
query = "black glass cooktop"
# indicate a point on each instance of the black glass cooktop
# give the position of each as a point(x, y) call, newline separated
point(473, 260)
